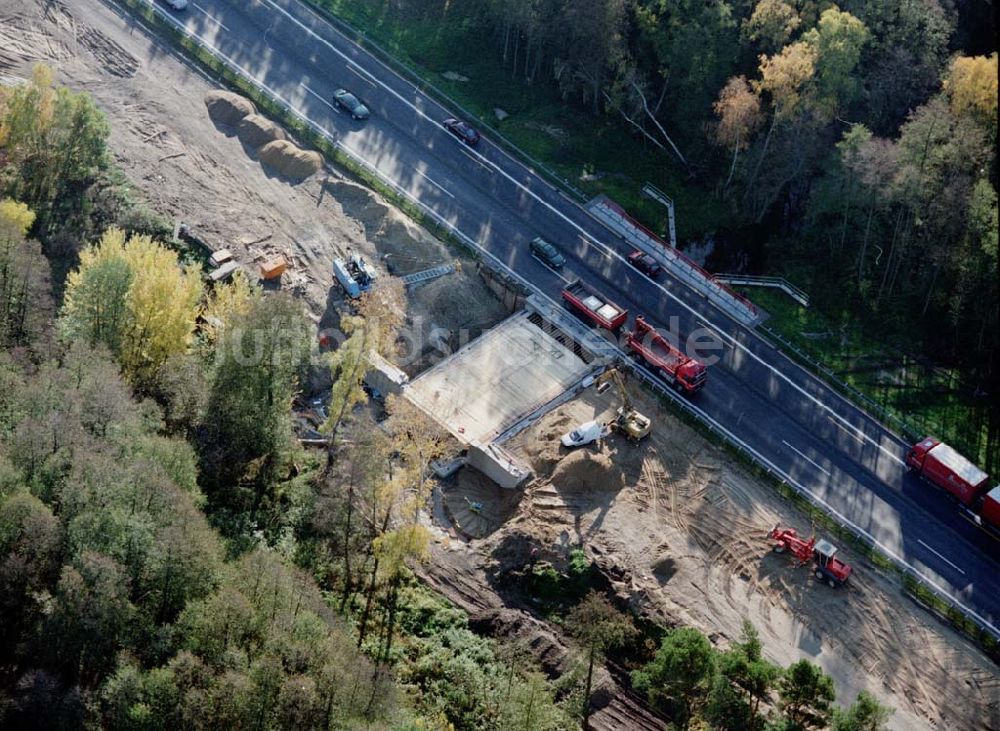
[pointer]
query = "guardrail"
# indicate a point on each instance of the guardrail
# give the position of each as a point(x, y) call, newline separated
point(985, 627)
point(886, 417)
point(775, 282)
point(618, 220)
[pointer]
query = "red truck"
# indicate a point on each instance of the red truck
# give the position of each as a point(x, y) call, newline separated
point(990, 511)
point(686, 374)
point(595, 309)
point(941, 465)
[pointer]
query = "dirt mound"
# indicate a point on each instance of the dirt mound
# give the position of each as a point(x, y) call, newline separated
point(585, 471)
point(359, 203)
point(290, 161)
point(227, 108)
point(256, 131)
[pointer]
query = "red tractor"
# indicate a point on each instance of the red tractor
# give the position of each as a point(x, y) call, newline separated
point(828, 568)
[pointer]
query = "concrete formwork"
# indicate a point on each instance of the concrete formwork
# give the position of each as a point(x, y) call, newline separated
point(496, 380)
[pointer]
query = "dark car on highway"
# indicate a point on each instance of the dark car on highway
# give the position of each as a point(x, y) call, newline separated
point(462, 130)
point(351, 104)
point(546, 253)
point(645, 263)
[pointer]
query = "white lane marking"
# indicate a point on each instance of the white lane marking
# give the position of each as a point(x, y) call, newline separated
point(852, 432)
point(814, 464)
point(204, 12)
point(611, 252)
point(320, 97)
point(554, 271)
point(940, 557)
point(712, 331)
point(478, 159)
point(435, 184)
point(602, 250)
point(364, 75)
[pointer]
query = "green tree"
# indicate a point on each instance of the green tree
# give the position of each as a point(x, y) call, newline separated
point(599, 627)
point(805, 696)
point(25, 297)
point(30, 542)
point(246, 433)
point(743, 684)
point(91, 618)
point(865, 714)
point(838, 40)
point(678, 678)
point(55, 144)
point(380, 315)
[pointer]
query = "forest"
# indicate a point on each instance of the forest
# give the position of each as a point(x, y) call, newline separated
point(850, 147)
point(170, 557)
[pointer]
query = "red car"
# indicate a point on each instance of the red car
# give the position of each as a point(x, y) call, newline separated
point(462, 130)
point(645, 263)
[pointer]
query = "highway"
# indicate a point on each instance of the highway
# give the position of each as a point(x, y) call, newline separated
point(800, 425)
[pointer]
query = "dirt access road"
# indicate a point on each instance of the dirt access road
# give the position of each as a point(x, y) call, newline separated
point(680, 528)
point(677, 521)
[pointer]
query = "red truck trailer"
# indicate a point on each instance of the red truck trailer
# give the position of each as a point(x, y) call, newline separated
point(594, 308)
point(941, 465)
point(686, 374)
point(990, 512)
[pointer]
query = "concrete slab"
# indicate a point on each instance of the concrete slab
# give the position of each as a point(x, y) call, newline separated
point(497, 379)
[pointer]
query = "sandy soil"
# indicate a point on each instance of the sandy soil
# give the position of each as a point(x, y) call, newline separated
point(203, 175)
point(682, 529)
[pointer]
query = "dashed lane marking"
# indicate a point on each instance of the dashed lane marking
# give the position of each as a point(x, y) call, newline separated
point(803, 456)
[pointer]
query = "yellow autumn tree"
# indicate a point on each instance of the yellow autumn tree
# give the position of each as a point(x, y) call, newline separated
point(228, 302)
point(972, 87)
point(134, 297)
point(15, 219)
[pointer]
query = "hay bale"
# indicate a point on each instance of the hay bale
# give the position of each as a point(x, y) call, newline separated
point(227, 108)
point(256, 131)
point(290, 161)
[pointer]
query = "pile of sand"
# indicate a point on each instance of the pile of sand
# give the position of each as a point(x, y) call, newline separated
point(256, 131)
point(290, 161)
point(227, 108)
point(583, 470)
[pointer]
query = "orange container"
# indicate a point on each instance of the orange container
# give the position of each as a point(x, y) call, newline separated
point(273, 268)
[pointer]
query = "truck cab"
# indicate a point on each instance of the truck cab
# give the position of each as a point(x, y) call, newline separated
point(915, 457)
point(829, 568)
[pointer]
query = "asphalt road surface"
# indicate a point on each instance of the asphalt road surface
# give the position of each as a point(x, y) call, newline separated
point(805, 429)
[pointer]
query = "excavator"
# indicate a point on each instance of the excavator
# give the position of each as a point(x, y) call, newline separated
point(629, 422)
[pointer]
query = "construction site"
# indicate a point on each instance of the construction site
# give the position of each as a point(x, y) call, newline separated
point(679, 527)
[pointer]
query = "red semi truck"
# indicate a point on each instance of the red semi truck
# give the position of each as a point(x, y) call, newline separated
point(941, 465)
point(685, 374)
point(594, 308)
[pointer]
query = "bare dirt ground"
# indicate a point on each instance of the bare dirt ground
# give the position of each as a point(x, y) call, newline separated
point(680, 528)
point(678, 525)
point(202, 175)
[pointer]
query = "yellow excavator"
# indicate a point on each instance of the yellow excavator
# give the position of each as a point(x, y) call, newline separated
point(629, 422)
